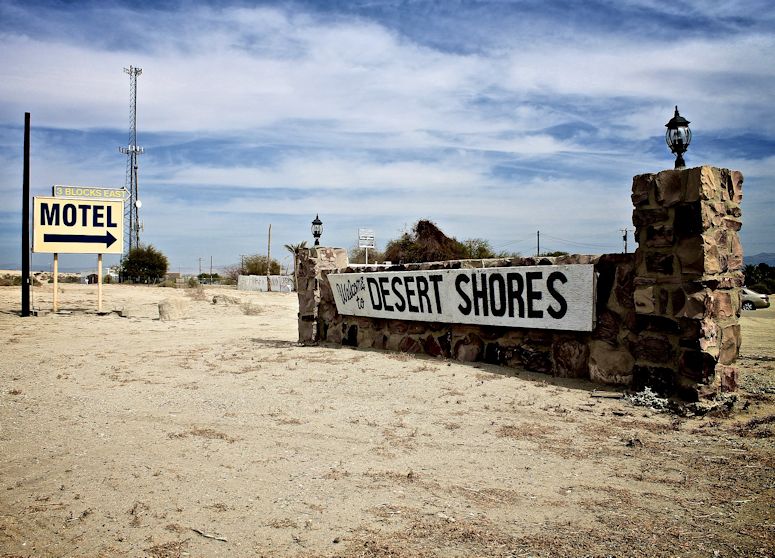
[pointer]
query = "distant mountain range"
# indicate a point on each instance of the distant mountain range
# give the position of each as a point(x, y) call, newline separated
point(763, 257)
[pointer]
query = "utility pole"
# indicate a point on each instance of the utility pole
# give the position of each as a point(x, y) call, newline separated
point(26, 219)
point(211, 270)
point(269, 259)
point(538, 243)
point(200, 266)
point(624, 238)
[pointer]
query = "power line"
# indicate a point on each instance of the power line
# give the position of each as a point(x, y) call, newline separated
point(577, 243)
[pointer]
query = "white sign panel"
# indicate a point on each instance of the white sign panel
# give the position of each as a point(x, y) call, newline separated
point(77, 226)
point(366, 238)
point(558, 297)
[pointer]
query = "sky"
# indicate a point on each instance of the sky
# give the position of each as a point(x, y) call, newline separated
point(495, 119)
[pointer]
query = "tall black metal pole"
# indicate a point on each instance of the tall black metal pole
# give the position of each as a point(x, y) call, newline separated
point(26, 220)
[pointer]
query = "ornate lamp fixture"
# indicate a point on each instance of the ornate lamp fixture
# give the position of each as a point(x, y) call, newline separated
point(678, 137)
point(317, 229)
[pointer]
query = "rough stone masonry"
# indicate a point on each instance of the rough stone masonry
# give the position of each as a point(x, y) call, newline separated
point(666, 316)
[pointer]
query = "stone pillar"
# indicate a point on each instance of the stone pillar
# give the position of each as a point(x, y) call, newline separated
point(311, 263)
point(688, 276)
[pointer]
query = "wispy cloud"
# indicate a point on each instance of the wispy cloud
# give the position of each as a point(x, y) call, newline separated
point(495, 118)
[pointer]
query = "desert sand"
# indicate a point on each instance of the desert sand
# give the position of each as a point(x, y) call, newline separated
point(218, 435)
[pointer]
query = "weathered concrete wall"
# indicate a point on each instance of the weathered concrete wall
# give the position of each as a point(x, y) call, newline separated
point(279, 283)
point(666, 316)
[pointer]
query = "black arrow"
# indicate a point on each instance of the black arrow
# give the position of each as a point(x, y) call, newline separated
point(107, 238)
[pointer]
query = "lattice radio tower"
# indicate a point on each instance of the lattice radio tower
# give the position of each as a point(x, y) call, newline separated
point(132, 150)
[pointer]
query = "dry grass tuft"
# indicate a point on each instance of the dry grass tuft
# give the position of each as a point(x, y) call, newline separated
point(173, 549)
point(207, 433)
point(250, 309)
point(197, 293)
point(528, 430)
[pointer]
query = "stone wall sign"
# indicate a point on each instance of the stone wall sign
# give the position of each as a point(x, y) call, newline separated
point(560, 297)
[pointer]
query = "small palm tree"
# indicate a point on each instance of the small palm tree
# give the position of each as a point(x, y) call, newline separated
point(295, 249)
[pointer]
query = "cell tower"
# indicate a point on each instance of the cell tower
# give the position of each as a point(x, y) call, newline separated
point(132, 204)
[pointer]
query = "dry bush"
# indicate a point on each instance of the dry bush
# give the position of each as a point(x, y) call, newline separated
point(250, 309)
point(197, 293)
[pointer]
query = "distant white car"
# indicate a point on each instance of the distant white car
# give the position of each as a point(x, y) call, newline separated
point(753, 300)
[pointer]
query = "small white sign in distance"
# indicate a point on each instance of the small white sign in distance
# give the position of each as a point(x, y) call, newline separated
point(560, 297)
point(77, 226)
point(366, 238)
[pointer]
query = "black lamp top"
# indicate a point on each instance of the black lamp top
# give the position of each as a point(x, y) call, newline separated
point(677, 121)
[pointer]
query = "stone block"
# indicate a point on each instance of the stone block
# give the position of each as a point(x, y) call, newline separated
point(714, 263)
point(669, 188)
point(708, 338)
point(624, 287)
point(607, 327)
point(410, 345)
point(173, 309)
point(687, 220)
point(334, 332)
point(397, 326)
point(737, 186)
point(307, 332)
point(730, 344)
point(694, 307)
point(659, 236)
point(712, 214)
point(698, 366)
point(691, 255)
point(642, 186)
point(654, 348)
point(432, 347)
point(468, 349)
point(709, 183)
point(691, 181)
point(723, 306)
point(571, 358)
point(417, 328)
point(534, 358)
point(659, 264)
point(369, 338)
point(733, 224)
point(610, 365)
point(644, 299)
point(642, 217)
point(663, 324)
point(735, 259)
point(727, 378)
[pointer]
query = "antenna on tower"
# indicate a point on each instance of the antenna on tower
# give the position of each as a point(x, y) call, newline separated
point(132, 150)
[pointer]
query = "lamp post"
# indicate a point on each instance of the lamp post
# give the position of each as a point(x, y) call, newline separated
point(317, 229)
point(678, 137)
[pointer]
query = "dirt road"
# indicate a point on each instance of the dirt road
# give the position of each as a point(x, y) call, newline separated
point(216, 435)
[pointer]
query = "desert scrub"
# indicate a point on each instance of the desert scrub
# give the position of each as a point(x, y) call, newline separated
point(197, 293)
point(250, 309)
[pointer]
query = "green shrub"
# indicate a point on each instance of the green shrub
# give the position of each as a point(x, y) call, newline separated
point(144, 264)
point(760, 288)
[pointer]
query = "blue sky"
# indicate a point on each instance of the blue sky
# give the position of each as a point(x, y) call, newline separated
point(494, 119)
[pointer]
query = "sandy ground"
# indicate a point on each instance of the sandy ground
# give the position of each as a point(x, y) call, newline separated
point(217, 435)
